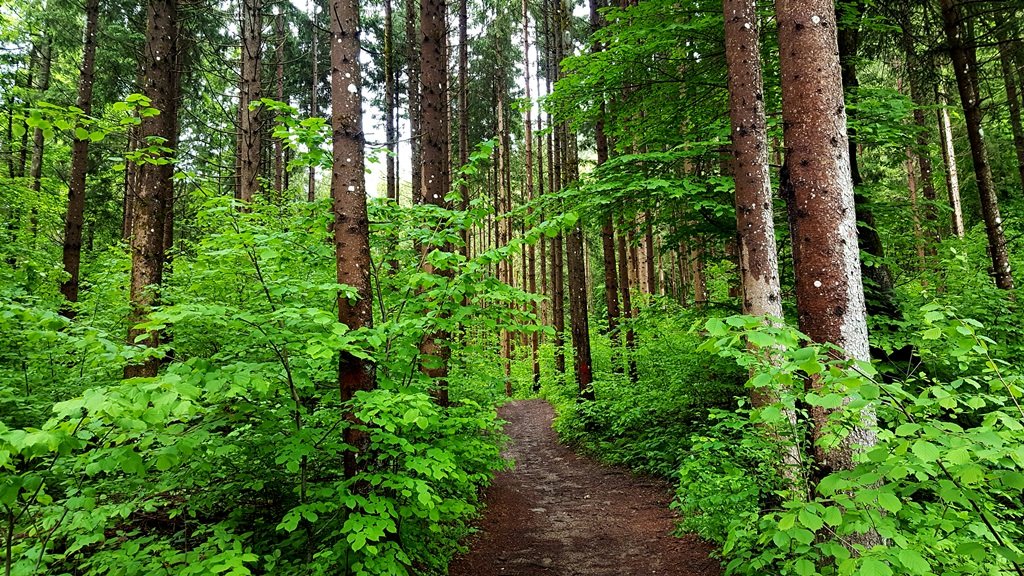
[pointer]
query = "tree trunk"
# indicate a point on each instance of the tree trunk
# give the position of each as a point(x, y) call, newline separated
point(528, 141)
point(72, 253)
point(962, 55)
point(390, 128)
point(351, 224)
point(412, 58)
point(1013, 101)
point(314, 107)
point(650, 278)
point(578, 315)
point(951, 173)
point(627, 307)
point(38, 140)
point(251, 28)
point(434, 147)
point(279, 167)
point(818, 187)
point(147, 242)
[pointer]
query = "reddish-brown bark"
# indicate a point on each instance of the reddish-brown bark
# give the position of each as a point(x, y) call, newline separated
point(351, 225)
point(72, 252)
point(155, 183)
point(818, 187)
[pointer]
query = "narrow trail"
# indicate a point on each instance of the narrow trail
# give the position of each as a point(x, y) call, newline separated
point(557, 513)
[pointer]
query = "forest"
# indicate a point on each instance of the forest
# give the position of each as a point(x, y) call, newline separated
point(301, 287)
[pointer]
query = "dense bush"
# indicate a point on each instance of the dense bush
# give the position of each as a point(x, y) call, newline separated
point(229, 462)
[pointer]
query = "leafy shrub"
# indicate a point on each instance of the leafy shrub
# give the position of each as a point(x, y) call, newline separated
point(942, 487)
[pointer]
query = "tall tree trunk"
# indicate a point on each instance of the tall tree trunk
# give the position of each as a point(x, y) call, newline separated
point(578, 315)
point(628, 312)
point(390, 128)
point(72, 253)
point(965, 67)
point(279, 167)
point(434, 146)
point(951, 172)
point(528, 126)
point(1013, 101)
point(915, 209)
point(38, 140)
point(412, 58)
point(251, 28)
point(818, 188)
point(147, 242)
point(464, 100)
point(351, 224)
point(650, 278)
point(314, 106)
point(755, 228)
point(611, 284)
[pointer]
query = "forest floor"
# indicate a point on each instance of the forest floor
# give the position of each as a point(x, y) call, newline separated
point(557, 513)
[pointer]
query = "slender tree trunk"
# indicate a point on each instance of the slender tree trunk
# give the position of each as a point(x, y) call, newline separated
point(579, 317)
point(818, 187)
point(38, 140)
point(251, 28)
point(965, 67)
point(434, 147)
point(915, 209)
point(279, 167)
point(951, 173)
point(627, 307)
point(650, 282)
point(72, 253)
point(314, 89)
point(154, 179)
point(464, 100)
point(412, 57)
point(527, 125)
point(697, 279)
point(390, 129)
point(1013, 101)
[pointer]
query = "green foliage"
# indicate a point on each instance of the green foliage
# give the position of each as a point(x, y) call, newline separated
point(229, 461)
point(647, 426)
point(942, 487)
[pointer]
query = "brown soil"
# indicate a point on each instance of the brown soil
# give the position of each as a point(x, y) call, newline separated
point(558, 513)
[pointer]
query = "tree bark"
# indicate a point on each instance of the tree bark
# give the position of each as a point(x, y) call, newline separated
point(251, 28)
point(390, 128)
point(412, 58)
point(818, 187)
point(434, 150)
point(279, 167)
point(951, 172)
point(1013, 101)
point(38, 139)
point(314, 107)
point(628, 311)
point(72, 252)
point(528, 141)
point(965, 67)
point(351, 224)
point(155, 179)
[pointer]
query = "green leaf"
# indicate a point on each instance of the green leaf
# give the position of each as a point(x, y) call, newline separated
point(811, 520)
point(914, 562)
point(872, 567)
point(889, 501)
point(81, 133)
point(926, 451)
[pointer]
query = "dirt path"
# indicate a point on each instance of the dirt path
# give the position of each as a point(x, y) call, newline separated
point(557, 513)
